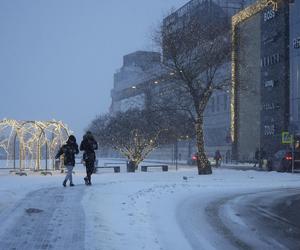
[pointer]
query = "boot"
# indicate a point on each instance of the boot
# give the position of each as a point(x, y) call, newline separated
point(65, 183)
point(86, 180)
point(71, 184)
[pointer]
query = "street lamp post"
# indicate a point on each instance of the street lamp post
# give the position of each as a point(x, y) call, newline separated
point(176, 154)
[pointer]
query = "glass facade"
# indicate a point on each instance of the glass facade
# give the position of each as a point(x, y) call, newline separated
point(274, 77)
point(295, 65)
point(262, 74)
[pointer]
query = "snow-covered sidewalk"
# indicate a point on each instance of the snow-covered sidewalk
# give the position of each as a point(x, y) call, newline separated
point(153, 210)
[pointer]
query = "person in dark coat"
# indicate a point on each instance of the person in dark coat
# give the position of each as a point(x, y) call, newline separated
point(68, 150)
point(89, 145)
point(218, 158)
point(263, 157)
point(260, 155)
point(257, 157)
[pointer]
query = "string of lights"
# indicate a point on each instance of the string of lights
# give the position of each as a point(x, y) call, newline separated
point(236, 20)
point(24, 141)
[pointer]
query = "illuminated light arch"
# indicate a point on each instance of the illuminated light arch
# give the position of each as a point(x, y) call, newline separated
point(32, 137)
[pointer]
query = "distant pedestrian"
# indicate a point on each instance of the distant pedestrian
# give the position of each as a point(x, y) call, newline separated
point(218, 158)
point(89, 145)
point(227, 156)
point(68, 150)
point(263, 158)
point(256, 157)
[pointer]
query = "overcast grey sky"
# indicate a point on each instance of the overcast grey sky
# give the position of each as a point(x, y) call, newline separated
point(57, 57)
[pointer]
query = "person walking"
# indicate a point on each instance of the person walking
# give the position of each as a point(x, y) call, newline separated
point(218, 158)
point(263, 158)
point(89, 145)
point(68, 150)
point(257, 157)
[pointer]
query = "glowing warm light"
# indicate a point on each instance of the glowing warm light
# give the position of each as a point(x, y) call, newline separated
point(31, 136)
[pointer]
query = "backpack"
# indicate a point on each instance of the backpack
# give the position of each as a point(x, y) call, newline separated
point(68, 155)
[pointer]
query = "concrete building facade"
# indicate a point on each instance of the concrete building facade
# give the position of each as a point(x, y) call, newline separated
point(139, 68)
point(261, 103)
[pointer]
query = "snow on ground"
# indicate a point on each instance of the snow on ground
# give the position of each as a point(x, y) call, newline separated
point(143, 210)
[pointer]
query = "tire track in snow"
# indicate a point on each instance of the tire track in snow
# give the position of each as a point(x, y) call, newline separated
point(203, 228)
point(264, 224)
point(214, 218)
point(246, 220)
point(251, 220)
point(51, 218)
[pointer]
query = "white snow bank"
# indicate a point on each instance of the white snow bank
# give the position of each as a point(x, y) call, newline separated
point(148, 210)
point(141, 210)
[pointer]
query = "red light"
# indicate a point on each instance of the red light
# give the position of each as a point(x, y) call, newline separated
point(194, 158)
point(288, 158)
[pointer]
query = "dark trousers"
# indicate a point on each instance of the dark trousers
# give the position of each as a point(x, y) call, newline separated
point(90, 165)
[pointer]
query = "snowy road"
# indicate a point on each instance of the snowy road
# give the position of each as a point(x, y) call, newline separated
point(152, 211)
point(267, 219)
point(257, 220)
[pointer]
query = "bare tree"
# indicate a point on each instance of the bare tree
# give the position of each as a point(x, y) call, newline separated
point(136, 133)
point(196, 57)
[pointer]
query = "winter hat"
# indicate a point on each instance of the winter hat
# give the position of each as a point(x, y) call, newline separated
point(89, 135)
point(72, 139)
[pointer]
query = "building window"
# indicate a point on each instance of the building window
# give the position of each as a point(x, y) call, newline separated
point(269, 130)
point(270, 60)
point(296, 43)
point(268, 15)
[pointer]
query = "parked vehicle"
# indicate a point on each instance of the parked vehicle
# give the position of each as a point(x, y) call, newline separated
point(282, 160)
point(193, 160)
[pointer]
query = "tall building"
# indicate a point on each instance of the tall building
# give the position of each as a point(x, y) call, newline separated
point(295, 66)
point(217, 113)
point(265, 83)
point(143, 68)
point(138, 69)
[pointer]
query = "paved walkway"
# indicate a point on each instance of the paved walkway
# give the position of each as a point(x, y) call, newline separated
point(51, 218)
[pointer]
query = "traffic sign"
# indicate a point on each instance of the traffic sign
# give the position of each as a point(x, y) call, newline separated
point(286, 138)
